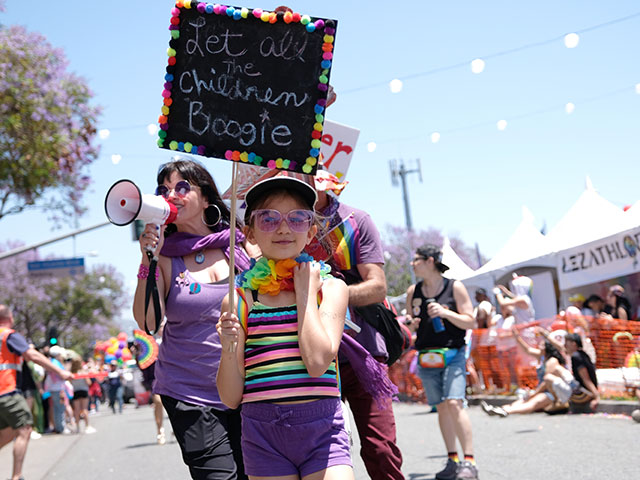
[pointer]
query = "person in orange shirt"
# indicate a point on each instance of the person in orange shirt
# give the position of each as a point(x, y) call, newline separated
point(16, 421)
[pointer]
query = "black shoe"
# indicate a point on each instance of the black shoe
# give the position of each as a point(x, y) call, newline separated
point(450, 471)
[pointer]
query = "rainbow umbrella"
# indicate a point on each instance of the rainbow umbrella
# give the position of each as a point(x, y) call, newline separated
point(147, 348)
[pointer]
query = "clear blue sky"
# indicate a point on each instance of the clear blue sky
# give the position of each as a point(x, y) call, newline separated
point(475, 179)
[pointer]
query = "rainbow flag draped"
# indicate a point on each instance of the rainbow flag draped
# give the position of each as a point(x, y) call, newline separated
point(148, 348)
point(343, 240)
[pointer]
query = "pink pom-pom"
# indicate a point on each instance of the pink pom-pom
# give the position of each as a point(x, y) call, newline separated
point(257, 12)
point(271, 164)
point(228, 155)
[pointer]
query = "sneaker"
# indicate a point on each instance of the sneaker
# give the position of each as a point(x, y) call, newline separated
point(161, 437)
point(467, 471)
point(449, 472)
point(90, 430)
point(486, 408)
point(501, 412)
point(35, 435)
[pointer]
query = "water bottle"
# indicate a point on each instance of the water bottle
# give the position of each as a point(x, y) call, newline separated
point(438, 325)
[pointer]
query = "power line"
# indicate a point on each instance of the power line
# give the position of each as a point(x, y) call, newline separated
point(492, 55)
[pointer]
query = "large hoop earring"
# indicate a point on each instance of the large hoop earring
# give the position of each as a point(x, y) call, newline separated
point(204, 218)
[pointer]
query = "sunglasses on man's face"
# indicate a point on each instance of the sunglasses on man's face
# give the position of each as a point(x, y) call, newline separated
point(268, 220)
point(182, 188)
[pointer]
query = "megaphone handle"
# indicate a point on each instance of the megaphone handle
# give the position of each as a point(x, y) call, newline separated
point(151, 251)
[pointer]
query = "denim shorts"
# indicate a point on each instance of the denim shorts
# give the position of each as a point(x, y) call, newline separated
point(297, 439)
point(445, 383)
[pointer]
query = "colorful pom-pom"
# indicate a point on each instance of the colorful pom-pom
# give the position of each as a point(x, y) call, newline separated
point(271, 164)
point(310, 27)
point(327, 55)
point(322, 87)
point(188, 146)
point(286, 162)
point(316, 134)
point(288, 17)
point(265, 16)
point(319, 23)
point(307, 168)
point(201, 7)
point(160, 142)
point(175, 34)
point(312, 160)
point(171, 52)
point(305, 19)
point(181, 146)
point(173, 145)
point(228, 155)
point(257, 160)
point(175, 12)
point(322, 102)
point(316, 144)
point(314, 152)
point(230, 11)
point(317, 126)
point(244, 156)
point(295, 17)
point(323, 79)
point(201, 149)
point(168, 101)
point(172, 61)
point(165, 110)
point(257, 12)
point(325, 63)
point(162, 134)
point(187, 3)
point(166, 93)
point(279, 162)
point(244, 12)
point(273, 18)
point(209, 9)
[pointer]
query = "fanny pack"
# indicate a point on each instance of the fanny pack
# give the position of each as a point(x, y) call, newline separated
point(436, 357)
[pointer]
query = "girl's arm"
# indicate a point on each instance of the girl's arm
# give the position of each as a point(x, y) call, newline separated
point(319, 328)
point(230, 378)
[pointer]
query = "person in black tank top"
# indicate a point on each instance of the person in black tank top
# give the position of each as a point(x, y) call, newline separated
point(442, 312)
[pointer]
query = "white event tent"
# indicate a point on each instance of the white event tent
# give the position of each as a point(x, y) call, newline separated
point(457, 267)
point(594, 241)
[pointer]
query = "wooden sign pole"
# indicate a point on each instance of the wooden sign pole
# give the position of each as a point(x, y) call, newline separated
point(232, 243)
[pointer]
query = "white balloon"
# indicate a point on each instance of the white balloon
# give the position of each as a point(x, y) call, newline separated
point(152, 128)
point(571, 40)
point(435, 137)
point(477, 65)
point(502, 124)
point(371, 147)
point(115, 158)
point(569, 107)
point(104, 133)
point(395, 85)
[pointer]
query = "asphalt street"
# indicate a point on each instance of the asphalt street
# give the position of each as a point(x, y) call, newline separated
point(532, 447)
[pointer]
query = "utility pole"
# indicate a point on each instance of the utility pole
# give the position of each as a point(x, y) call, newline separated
point(398, 169)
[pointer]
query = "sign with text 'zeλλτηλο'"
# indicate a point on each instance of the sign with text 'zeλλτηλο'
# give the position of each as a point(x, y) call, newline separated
point(247, 85)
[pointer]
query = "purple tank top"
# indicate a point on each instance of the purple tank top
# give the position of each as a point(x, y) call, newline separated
point(190, 351)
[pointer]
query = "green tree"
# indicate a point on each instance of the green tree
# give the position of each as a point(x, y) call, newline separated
point(83, 308)
point(47, 127)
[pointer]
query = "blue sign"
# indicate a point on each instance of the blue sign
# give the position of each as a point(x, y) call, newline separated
point(59, 267)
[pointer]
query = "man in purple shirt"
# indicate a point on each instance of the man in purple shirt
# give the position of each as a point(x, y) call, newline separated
point(357, 254)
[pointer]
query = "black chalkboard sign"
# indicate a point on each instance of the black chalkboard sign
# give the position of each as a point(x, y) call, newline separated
point(247, 85)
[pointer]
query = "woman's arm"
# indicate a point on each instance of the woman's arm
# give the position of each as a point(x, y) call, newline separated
point(464, 317)
point(552, 340)
point(319, 327)
point(154, 239)
point(534, 352)
point(230, 377)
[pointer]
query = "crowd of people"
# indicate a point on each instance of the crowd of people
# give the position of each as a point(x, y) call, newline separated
point(256, 380)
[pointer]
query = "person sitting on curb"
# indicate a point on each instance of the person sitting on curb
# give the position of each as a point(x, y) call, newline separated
point(555, 382)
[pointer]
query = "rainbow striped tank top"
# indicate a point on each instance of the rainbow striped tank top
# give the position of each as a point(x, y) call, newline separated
point(274, 370)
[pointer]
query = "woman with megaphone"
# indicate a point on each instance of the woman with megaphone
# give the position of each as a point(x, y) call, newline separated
point(192, 279)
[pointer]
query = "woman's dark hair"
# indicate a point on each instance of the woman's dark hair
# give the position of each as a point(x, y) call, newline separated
point(194, 173)
point(623, 302)
point(592, 298)
point(551, 351)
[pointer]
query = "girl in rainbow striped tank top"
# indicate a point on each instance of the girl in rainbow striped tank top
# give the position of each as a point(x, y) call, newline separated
point(284, 369)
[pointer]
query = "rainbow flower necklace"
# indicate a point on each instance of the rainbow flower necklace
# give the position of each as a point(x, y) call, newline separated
point(270, 277)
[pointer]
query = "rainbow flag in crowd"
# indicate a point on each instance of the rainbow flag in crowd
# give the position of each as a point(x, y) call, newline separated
point(342, 240)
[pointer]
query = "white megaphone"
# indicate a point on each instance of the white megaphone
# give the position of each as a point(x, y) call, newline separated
point(125, 203)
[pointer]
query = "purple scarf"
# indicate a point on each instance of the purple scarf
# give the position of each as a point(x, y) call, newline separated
point(180, 244)
point(371, 374)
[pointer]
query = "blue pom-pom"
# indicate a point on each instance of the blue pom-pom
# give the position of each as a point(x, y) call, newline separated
point(168, 77)
point(208, 8)
point(310, 27)
point(318, 109)
point(237, 15)
point(325, 63)
point(314, 152)
point(230, 11)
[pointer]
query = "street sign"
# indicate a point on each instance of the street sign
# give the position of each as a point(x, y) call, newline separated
point(62, 267)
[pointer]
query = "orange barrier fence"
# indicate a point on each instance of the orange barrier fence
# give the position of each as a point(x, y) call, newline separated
point(498, 365)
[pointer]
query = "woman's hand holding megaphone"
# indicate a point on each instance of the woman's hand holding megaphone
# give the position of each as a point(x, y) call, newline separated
point(151, 240)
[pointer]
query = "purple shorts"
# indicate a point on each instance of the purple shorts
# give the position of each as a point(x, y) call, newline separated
point(297, 439)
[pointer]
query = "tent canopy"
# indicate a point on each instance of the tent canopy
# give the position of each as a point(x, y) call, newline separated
point(457, 267)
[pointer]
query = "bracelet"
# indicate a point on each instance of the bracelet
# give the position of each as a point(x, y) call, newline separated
point(143, 272)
